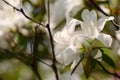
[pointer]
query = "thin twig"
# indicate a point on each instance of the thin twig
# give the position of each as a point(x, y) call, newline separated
point(51, 41)
point(22, 11)
point(77, 65)
point(54, 58)
point(48, 7)
point(114, 74)
point(97, 7)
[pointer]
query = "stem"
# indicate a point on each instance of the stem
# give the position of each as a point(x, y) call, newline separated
point(51, 41)
point(54, 58)
point(97, 7)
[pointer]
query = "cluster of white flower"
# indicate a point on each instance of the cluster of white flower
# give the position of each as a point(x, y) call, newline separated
point(71, 43)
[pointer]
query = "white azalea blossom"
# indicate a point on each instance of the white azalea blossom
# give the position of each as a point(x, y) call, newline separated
point(92, 27)
point(64, 39)
point(60, 8)
point(70, 43)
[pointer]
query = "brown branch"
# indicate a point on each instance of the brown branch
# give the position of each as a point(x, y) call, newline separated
point(97, 7)
point(54, 58)
point(51, 41)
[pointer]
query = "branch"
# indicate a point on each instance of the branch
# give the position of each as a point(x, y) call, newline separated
point(97, 7)
point(114, 74)
point(52, 46)
point(22, 11)
point(51, 41)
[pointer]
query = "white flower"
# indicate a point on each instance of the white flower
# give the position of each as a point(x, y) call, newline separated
point(70, 43)
point(64, 49)
point(60, 8)
point(92, 27)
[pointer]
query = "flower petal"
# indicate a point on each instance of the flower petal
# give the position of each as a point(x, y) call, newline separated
point(85, 15)
point(93, 16)
point(89, 16)
point(89, 29)
point(62, 37)
point(102, 21)
point(71, 25)
point(81, 43)
point(118, 34)
point(66, 56)
point(79, 67)
point(105, 39)
point(89, 24)
point(75, 62)
point(58, 38)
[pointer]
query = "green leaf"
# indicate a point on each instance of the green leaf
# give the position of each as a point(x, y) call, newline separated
point(94, 62)
point(89, 66)
point(108, 60)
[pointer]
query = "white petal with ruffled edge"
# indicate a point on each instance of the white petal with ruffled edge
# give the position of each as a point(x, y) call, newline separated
point(62, 38)
point(101, 22)
point(105, 39)
point(89, 16)
point(71, 25)
point(66, 56)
